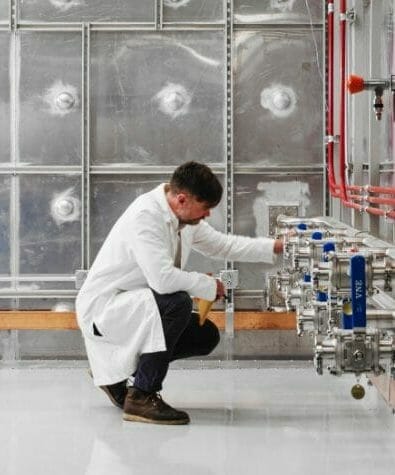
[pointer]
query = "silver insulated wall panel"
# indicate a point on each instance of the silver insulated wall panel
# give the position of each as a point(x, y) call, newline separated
point(157, 98)
point(101, 100)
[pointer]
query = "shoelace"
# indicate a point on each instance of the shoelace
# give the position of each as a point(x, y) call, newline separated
point(156, 399)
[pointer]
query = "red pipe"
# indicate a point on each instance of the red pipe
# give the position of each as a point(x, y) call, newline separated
point(381, 201)
point(330, 132)
point(381, 189)
point(342, 148)
point(371, 189)
point(353, 188)
point(349, 204)
point(370, 210)
point(374, 199)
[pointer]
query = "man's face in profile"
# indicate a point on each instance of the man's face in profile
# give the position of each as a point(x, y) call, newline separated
point(190, 210)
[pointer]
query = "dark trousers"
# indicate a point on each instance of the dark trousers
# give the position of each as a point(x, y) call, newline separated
point(184, 338)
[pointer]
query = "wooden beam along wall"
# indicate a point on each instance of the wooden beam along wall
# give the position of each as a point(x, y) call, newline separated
point(49, 320)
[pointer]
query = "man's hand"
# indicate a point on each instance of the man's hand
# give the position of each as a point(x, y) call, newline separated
point(220, 290)
point(278, 247)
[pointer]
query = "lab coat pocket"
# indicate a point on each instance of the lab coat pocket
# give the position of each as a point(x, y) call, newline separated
point(126, 315)
point(96, 331)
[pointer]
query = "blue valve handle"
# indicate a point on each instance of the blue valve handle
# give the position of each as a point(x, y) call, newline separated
point(358, 291)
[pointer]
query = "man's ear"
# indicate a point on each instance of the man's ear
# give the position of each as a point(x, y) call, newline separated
point(182, 198)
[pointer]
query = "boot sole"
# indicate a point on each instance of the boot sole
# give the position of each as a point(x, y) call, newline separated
point(133, 418)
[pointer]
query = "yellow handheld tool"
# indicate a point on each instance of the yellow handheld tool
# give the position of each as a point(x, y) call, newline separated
point(204, 307)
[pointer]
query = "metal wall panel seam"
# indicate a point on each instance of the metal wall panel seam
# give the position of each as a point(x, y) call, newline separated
point(186, 26)
point(7, 294)
point(77, 24)
point(85, 147)
point(97, 25)
point(88, 149)
point(273, 168)
point(76, 27)
point(14, 68)
point(39, 170)
point(228, 8)
point(277, 26)
point(42, 278)
point(281, 172)
point(325, 194)
point(113, 169)
point(123, 27)
point(194, 25)
point(136, 170)
point(119, 27)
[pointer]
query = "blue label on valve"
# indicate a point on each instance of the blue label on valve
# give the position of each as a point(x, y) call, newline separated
point(316, 235)
point(302, 226)
point(321, 296)
point(329, 246)
point(358, 291)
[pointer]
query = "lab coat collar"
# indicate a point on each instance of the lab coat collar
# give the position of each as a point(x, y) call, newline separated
point(167, 211)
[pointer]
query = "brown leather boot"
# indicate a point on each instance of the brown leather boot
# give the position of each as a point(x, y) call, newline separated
point(141, 406)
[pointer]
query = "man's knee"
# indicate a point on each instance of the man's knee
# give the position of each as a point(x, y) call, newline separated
point(178, 302)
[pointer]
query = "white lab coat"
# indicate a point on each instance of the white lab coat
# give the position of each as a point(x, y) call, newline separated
point(137, 255)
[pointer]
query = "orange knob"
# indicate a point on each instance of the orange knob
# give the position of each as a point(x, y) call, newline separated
point(355, 84)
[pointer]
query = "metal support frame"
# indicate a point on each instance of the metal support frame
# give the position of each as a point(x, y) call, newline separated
point(85, 145)
point(229, 306)
point(11, 346)
point(14, 119)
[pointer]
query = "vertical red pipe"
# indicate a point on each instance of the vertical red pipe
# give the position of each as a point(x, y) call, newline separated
point(330, 132)
point(342, 148)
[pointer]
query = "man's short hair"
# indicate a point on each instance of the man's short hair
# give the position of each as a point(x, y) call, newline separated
point(197, 179)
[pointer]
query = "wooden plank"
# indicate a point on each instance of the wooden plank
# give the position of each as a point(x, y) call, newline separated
point(37, 320)
point(248, 320)
point(48, 320)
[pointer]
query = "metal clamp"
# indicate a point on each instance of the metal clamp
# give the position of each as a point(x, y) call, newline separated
point(230, 278)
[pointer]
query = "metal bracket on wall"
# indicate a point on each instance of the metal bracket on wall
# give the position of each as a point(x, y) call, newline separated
point(351, 16)
point(159, 15)
point(12, 15)
point(230, 279)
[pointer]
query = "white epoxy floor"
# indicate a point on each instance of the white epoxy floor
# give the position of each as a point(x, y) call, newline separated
point(244, 421)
